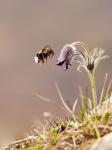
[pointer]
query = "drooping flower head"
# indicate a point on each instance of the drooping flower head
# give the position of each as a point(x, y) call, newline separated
point(67, 55)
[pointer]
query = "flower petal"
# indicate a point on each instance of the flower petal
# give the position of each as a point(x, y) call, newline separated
point(101, 52)
point(64, 53)
point(66, 56)
point(80, 66)
point(98, 59)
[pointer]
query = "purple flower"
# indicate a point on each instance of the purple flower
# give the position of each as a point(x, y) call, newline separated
point(67, 54)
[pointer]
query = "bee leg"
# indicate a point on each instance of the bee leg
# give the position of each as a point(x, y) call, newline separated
point(39, 61)
point(42, 57)
point(42, 60)
point(52, 53)
point(39, 58)
point(45, 56)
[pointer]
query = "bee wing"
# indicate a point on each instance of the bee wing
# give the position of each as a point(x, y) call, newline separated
point(47, 46)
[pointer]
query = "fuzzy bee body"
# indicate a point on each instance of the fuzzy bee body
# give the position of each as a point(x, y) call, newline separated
point(43, 54)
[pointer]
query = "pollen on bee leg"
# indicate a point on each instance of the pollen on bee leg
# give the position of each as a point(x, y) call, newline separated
point(36, 59)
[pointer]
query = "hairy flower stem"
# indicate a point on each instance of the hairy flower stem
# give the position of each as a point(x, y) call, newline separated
point(93, 87)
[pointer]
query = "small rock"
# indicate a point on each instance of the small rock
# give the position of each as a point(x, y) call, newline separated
point(105, 143)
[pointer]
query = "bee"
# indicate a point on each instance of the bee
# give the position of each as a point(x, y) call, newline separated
point(43, 54)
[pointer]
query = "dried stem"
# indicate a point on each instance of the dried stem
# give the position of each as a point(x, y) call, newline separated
point(102, 93)
point(62, 100)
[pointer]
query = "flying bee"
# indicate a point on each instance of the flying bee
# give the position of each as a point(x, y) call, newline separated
point(43, 54)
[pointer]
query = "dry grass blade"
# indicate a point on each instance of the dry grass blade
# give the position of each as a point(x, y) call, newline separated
point(90, 104)
point(81, 96)
point(73, 109)
point(29, 138)
point(49, 101)
point(74, 105)
point(62, 100)
point(108, 89)
point(43, 98)
point(102, 93)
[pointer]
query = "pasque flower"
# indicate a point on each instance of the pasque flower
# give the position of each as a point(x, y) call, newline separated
point(90, 60)
point(67, 54)
point(87, 59)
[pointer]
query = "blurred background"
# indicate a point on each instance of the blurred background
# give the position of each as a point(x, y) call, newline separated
point(27, 26)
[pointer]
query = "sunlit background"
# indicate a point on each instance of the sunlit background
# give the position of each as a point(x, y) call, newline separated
point(28, 25)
